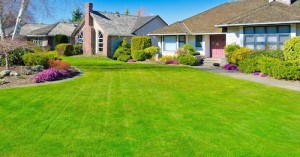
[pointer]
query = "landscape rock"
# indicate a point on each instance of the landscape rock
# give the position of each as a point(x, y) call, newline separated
point(14, 73)
point(2, 81)
point(37, 68)
point(4, 73)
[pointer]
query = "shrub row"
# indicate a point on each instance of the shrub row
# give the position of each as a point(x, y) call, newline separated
point(43, 58)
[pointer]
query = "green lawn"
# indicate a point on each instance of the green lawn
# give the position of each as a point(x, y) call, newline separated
point(132, 109)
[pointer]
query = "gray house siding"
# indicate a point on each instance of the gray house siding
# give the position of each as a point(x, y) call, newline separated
point(298, 29)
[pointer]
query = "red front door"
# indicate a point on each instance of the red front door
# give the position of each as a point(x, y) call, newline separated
point(217, 44)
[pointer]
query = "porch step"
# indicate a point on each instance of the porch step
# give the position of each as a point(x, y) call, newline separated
point(212, 61)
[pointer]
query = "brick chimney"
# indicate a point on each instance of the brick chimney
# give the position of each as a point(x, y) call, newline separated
point(287, 2)
point(88, 31)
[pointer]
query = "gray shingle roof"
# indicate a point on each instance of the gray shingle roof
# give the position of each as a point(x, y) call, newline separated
point(52, 30)
point(244, 11)
point(118, 24)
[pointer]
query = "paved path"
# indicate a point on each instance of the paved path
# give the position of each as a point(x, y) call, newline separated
point(267, 81)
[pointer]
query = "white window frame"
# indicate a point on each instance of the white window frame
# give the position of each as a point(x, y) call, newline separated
point(100, 41)
point(175, 44)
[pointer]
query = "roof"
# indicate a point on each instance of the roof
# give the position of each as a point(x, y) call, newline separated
point(52, 30)
point(280, 13)
point(25, 29)
point(244, 11)
point(119, 24)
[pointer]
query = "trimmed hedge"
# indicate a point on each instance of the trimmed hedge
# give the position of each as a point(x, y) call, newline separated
point(77, 49)
point(151, 51)
point(140, 43)
point(240, 54)
point(32, 59)
point(292, 49)
point(249, 64)
point(279, 69)
point(61, 38)
point(64, 49)
point(123, 52)
point(140, 55)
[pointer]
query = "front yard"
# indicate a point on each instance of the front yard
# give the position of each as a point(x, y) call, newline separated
point(132, 109)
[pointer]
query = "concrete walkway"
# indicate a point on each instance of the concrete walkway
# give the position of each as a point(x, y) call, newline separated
point(292, 85)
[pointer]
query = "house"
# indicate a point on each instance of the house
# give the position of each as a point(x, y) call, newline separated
point(43, 35)
point(257, 24)
point(102, 32)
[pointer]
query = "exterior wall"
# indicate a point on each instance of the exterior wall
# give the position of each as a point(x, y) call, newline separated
point(105, 51)
point(233, 36)
point(150, 27)
point(89, 31)
point(298, 29)
point(204, 50)
point(293, 30)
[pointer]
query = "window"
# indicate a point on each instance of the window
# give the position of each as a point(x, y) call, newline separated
point(38, 41)
point(170, 43)
point(182, 40)
point(198, 40)
point(80, 38)
point(262, 37)
point(100, 42)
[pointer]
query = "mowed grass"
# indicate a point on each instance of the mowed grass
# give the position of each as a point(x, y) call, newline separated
point(132, 109)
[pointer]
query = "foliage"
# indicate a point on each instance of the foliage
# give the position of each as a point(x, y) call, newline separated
point(77, 15)
point(37, 49)
point(292, 49)
point(2, 81)
point(52, 74)
point(173, 61)
point(123, 51)
point(64, 49)
point(140, 43)
point(15, 56)
point(151, 51)
point(187, 59)
point(124, 58)
point(229, 49)
point(163, 59)
point(231, 67)
point(279, 69)
point(31, 59)
point(181, 51)
point(270, 53)
point(240, 54)
point(126, 12)
point(249, 64)
point(77, 49)
point(140, 55)
point(59, 65)
point(60, 39)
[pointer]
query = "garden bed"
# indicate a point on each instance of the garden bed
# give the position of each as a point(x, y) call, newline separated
point(23, 80)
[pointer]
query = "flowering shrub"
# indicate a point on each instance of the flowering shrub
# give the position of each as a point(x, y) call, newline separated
point(52, 74)
point(264, 75)
point(231, 67)
point(256, 73)
point(59, 65)
point(131, 60)
point(173, 61)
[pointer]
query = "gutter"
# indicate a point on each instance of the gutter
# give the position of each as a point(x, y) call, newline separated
point(251, 24)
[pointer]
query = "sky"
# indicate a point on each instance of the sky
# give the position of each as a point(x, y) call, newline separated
point(169, 10)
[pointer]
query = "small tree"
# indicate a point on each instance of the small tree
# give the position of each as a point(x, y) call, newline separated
point(6, 45)
point(76, 15)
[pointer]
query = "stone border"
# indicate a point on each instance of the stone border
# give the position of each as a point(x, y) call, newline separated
point(49, 82)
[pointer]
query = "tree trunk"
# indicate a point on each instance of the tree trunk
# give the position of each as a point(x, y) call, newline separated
point(2, 33)
point(23, 9)
point(6, 61)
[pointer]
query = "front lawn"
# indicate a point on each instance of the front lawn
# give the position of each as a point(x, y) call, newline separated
point(132, 109)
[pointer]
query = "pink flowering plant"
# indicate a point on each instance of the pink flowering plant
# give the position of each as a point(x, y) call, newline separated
point(173, 61)
point(53, 74)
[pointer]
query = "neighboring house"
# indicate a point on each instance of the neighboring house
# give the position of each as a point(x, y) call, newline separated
point(257, 24)
point(43, 35)
point(102, 32)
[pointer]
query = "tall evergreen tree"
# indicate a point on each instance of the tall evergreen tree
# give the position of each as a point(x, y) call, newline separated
point(127, 12)
point(77, 15)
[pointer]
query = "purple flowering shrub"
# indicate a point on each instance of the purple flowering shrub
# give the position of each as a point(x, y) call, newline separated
point(256, 73)
point(131, 60)
point(53, 74)
point(264, 75)
point(173, 61)
point(231, 67)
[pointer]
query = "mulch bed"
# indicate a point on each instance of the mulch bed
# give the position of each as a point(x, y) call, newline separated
point(13, 81)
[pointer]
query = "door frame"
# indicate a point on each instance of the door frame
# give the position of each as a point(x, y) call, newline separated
point(211, 48)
